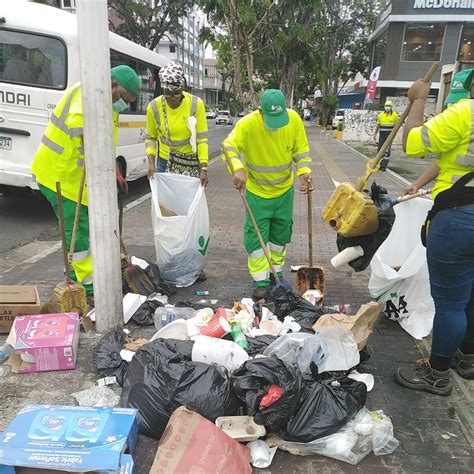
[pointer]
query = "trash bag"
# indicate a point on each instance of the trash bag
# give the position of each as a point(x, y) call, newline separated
point(369, 430)
point(252, 381)
point(370, 243)
point(400, 279)
point(259, 344)
point(181, 241)
point(153, 273)
point(324, 407)
point(162, 377)
point(106, 356)
point(145, 314)
point(288, 303)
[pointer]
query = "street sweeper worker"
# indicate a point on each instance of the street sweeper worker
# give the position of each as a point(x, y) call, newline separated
point(264, 147)
point(176, 127)
point(60, 157)
point(385, 123)
point(449, 238)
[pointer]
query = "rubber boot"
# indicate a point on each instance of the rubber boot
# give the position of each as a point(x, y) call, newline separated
point(384, 164)
point(424, 378)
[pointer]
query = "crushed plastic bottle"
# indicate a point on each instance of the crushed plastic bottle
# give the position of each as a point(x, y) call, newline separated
point(5, 351)
point(167, 314)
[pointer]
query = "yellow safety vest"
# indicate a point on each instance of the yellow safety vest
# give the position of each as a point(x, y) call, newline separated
point(386, 121)
point(179, 138)
point(267, 155)
point(451, 133)
point(60, 156)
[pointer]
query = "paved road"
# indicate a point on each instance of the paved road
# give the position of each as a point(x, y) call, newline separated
point(27, 216)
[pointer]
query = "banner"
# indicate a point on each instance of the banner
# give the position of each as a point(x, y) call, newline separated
point(372, 86)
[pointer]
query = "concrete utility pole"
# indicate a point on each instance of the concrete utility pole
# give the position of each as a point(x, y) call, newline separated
point(93, 33)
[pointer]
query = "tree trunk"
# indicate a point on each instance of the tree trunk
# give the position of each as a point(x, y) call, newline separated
point(288, 81)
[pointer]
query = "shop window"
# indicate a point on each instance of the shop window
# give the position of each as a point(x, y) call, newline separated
point(423, 42)
point(172, 48)
point(466, 46)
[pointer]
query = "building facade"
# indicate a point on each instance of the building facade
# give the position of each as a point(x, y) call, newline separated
point(188, 52)
point(410, 35)
point(216, 90)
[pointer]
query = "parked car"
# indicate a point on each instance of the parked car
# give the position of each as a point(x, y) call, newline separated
point(338, 118)
point(224, 118)
point(241, 114)
point(211, 114)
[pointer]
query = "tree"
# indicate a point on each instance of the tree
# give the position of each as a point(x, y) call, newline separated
point(147, 25)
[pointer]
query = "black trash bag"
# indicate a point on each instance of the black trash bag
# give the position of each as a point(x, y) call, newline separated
point(324, 408)
point(145, 314)
point(253, 379)
point(288, 303)
point(153, 273)
point(165, 367)
point(258, 344)
point(371, 243)
point(107, 358)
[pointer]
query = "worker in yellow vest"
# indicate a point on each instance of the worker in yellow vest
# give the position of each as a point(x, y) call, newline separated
point(60, 157)
point(263, 147)
point(176, 124)
point(449, 237)
point(385, 123)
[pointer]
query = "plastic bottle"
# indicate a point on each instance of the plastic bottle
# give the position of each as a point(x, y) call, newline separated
point(5, 351)
point(167, 314)
point(238, 336)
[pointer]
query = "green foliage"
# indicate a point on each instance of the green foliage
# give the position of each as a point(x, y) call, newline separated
point(339, 127)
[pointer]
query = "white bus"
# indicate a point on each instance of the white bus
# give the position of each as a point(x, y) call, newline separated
point(39, 60)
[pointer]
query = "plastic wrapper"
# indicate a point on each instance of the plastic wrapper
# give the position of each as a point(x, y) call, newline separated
point(288, 347)
point(370, 243)
point(368, 431)
point(325, 407)
point(261, 455)
point(252, 381)
point(162, 377)
point(107, 358)
point(97, 397)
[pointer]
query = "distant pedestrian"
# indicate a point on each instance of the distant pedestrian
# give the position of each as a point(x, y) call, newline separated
point(60, 157)
point(177, 135)
point(449, 237)
point(385, 123)
point(263, 147)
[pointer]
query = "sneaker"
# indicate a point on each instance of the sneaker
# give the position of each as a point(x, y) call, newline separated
point(424, 378)
point(260, 293)
point(464, 365)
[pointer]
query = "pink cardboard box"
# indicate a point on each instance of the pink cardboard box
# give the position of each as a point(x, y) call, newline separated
point(44, 342)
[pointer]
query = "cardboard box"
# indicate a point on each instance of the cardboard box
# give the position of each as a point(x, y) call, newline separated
point(44, 342)
point(17, 300)
point(191, 443)
point(43, 438)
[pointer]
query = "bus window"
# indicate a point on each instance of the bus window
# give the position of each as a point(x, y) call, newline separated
point(33, 60)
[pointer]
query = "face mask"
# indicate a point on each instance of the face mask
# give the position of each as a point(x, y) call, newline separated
point(388, 109)
point(119, 105)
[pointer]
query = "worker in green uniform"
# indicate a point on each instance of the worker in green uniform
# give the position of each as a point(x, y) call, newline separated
point(385, 123)
point(264, 147)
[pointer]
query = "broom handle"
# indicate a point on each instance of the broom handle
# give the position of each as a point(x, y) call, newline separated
point(375, 161)
point(310, 229)
point(252, 218)
point(76, 215)
point(63, 232)
point(408, 197)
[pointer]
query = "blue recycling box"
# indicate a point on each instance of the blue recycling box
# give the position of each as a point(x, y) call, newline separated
point(72, 439)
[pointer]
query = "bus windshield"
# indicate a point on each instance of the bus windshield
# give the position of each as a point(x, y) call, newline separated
point(32, 59)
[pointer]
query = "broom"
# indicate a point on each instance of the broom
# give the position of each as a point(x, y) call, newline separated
point(136, 279)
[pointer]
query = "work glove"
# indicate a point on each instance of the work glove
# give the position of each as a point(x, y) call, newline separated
point(122, 185)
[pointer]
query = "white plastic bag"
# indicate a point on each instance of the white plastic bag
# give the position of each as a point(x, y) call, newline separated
point(181, 241)
point(405, 293)
point(366, 432)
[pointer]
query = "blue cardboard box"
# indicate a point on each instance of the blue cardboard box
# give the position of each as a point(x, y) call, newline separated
point(72, 439)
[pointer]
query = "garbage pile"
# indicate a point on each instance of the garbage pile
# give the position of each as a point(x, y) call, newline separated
point(281, 368)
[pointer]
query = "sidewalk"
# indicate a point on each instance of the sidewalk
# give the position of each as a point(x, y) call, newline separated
point(434, 432)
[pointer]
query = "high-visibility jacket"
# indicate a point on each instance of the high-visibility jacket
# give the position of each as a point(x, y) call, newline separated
point(267, 155)
point(387, 120)
point(60, 156)
point(451, 133)
point(179, 133)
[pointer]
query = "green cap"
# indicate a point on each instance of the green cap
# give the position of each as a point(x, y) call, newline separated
point(273, 108)
point(460, 86)
point(127, 78)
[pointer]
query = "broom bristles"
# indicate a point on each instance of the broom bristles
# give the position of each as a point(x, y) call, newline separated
point(137, 280)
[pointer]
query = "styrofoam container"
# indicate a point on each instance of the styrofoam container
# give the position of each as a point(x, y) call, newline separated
point(175, 330)
point(131, 302)
point(240, 428)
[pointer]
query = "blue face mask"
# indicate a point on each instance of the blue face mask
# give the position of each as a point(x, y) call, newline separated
point(120, 105)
